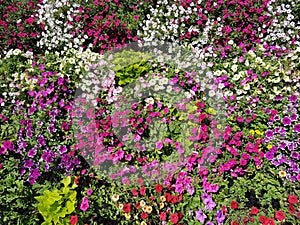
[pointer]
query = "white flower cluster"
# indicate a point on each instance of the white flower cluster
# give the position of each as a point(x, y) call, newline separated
point(60, 26)
point(285, 27)
point(12, 52)
point(163, 23)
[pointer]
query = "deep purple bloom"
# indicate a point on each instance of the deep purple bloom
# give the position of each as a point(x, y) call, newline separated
point(297, 128)
point(275, 162)
point(2, 151)
point(269, 155)
point(286, 120)
point(269, 133)
point(42, 67)
point(7, 144)
point(28, 163)
point(294, 155)
point(276, 118)
point(294, 117)
point(293, 98)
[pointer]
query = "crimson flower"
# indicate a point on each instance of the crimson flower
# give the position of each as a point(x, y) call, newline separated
point(293, 199)
point(127, 208)
point(254, 210)
point(74, 219)
point(174, 218)
point(279, 215)
point(163, 216)
point(158, 188)
point(234, 205)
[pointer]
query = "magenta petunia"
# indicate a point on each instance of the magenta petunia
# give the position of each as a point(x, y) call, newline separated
point(84, 204)
point(297, 128)
point(286, 121)
point(293, 98)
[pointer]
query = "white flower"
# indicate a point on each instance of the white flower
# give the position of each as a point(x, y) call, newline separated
point(169, 88)
point(239, 92)
point(211, 93)
point(247, 62)
point(276, 80)
point(17, 51)
point(234, 67)
point(247, 87)
point(230, 42)
point(115, 197)
point(152, 82)
point(236, 77)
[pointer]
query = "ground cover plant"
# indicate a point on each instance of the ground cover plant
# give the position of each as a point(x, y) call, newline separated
point(149, 112)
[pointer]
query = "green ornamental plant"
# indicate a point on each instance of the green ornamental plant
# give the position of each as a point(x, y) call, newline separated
point(55, 205)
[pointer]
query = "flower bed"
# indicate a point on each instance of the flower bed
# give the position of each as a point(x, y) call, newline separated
point(149, 112)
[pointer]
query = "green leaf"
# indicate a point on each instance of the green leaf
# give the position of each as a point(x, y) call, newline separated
point(66, 181)
point(70, 206)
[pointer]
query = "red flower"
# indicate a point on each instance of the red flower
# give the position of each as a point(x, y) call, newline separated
point(254, 210)
point(142, 190)
point(163, 216)
point(74, 219)
point(279, 215)
point(293, 199)
point(174, 199)
point(134, 192)
point(224, 209)
point(234, 223)
point(168, 197)
point(137, 205)
point(174, 218)
point(151, 198)
point(292, 209)
point(262, 219)
point(234, 205)
point(158, 188)
point(126, 208)
point(144, 215)
point(269, 221)
point(76, 180)
point(180, 215)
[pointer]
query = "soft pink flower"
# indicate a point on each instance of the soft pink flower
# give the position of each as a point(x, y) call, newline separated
point(159, 145)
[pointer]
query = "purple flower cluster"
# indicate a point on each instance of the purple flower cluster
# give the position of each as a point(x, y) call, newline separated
point(283, 137)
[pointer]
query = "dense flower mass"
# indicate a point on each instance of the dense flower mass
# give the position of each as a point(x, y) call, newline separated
point(149, 112)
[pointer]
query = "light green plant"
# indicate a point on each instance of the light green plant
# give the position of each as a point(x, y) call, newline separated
point(55, 205)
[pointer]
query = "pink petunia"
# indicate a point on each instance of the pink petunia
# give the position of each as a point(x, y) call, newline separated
point(84, 204)
point(159, 145)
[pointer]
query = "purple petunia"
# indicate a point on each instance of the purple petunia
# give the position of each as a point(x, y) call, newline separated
point(293, 98)
point(210, 205)
point(220, 217)
point(269, 133)
point(286, 120)
point(200, 216)
point(269, 155)
point(297, 128)
point(294, 117)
